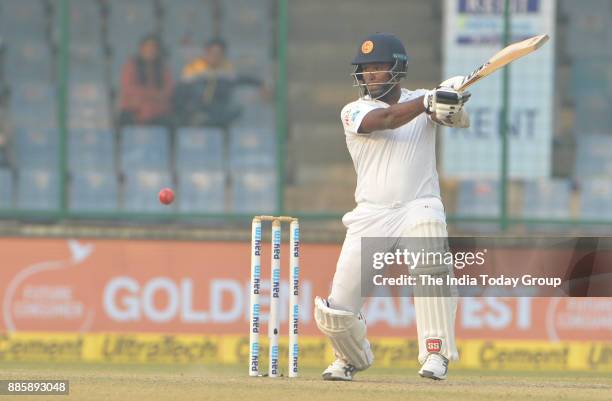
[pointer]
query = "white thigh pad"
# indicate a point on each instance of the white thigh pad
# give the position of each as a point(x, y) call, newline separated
point(347, 333)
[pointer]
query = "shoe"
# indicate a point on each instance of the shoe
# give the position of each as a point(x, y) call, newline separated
point(435, 367)
point(339, 370)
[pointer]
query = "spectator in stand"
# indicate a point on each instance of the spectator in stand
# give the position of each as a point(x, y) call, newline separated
point(146, 86)
point(205, 94)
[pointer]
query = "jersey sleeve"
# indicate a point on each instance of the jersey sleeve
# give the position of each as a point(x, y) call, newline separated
point(353, 113)
point(421, 92)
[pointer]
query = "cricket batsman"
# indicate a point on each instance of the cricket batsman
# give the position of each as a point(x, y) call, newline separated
point(390, 134)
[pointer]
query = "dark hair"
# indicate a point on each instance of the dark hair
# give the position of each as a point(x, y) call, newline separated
point(157, 63)
point(217, 41)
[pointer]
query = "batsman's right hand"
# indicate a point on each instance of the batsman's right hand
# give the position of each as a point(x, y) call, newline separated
point(453, 82)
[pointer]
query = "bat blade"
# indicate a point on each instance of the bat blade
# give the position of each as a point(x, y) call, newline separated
point(504, 56)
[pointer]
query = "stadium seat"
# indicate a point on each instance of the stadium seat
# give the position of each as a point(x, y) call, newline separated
point(28, 61)
point(4, 155)
point(478, 198)
point(141, 189)
point(88, 116)
point(254, 191)
point(187, 20)
point(145, 148)
point(87, 62)
point(91, 150)
point(186, 26)
point(22, 19)
point(33, 105)
point(129, 21)
point(182, 54)
point(596, 199)
point(85, 23)
point(38, 189)
point(547, 199)
point(83, 91)
point(33, 92)
point(262, 116)
point(589, 77)
point(6, 183)
point(201, 191)
point(199, 149)
point(247, 21)
point(255, 111)
point(592, 115)
point(94, 190)
point(592, 92)
point(37, 147)
point(588, 32)
point(593, 156)
point(252, 60)
point(89, 106)
point(251, 147)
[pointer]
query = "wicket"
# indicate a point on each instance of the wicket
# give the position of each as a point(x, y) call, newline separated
point(274, 316)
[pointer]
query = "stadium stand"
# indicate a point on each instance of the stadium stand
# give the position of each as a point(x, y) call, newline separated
point(6, 183)
point(199, 149)
point(478, 198)
point(251, 147)
point(186, 26)
point(254, 191)
point(207, 163)
point(596, 199)
point(91, 149)
point(38, 189)
point(255, 111)
point(94, 190)
point(547, 199)
point(33, 104)
point(89, 106)
point(593, 156)
point(29, 60)
point(23, 19)
point(37, 148)
point(140, 190)
point(145, 148)
point(129, 20)
point(201, 191)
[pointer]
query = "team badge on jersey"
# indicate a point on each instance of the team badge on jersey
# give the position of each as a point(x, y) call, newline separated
point(367, 47)
point(346, 118)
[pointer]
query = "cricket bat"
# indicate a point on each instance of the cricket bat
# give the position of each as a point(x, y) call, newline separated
point(505, 56)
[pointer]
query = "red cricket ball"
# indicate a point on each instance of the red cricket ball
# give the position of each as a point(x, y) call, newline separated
point(166, 196)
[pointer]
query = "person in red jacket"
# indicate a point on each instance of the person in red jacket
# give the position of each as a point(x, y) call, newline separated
point(146, 86)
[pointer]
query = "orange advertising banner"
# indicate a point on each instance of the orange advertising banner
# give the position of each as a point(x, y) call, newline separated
point(130, 286)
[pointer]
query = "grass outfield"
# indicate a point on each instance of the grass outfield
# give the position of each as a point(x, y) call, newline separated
point(181, 382)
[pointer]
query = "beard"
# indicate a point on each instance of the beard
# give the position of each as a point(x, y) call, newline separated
point(376, 90)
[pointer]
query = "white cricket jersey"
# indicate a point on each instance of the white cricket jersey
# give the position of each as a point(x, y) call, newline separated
point(394, 165)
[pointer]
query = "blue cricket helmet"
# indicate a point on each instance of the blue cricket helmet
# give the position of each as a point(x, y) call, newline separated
point(380, 48)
